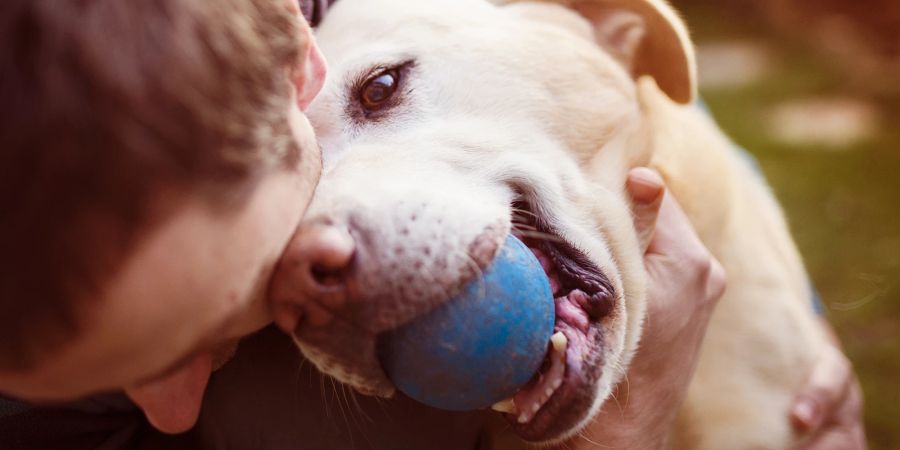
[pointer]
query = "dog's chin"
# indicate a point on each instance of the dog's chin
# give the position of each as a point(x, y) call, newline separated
point(562, 396)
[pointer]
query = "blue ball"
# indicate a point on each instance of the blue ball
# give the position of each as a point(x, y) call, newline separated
point(481, 346)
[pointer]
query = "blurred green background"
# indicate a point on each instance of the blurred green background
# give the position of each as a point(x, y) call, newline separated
point(812, 88)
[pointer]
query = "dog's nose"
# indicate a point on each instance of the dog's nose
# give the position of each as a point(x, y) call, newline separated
point(313, 275)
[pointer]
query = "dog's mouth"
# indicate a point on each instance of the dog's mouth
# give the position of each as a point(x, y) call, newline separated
point(561, 394)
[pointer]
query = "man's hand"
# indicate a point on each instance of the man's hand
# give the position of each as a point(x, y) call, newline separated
point(829, 407)
point(685, 283)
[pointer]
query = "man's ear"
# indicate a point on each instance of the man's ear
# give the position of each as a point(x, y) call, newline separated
point(646, 36)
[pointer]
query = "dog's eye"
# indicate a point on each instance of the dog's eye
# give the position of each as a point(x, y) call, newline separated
point(379, 89)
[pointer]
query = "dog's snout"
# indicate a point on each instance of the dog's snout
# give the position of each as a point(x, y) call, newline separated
point(313, 275)
point(377, 249)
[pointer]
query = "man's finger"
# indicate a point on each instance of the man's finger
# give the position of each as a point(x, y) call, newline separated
point(647, 190)
point(674, 234)
point(826, 386)
point(843, 430)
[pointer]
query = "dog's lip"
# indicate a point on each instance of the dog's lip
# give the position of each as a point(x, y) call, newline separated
point(580, 318)
point(583, 327)
point(572, 401)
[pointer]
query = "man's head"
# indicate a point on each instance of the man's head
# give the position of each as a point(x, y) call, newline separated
point(154, 163)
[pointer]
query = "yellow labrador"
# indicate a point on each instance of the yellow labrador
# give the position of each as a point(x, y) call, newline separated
point(447, 124)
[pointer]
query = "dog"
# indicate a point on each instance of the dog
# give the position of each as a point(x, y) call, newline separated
point(446, 125)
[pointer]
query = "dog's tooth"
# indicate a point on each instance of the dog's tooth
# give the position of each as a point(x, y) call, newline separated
point(535, 407)
point(559, 341)
point(523, 418)
point(557, 383)
point(548, 392)
point(505, 406)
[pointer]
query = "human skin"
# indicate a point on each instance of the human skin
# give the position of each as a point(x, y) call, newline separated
point(193, 286)
point(829, 407)
point(686, 283)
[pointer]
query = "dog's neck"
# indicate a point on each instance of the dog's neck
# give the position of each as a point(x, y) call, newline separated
point(680, 137)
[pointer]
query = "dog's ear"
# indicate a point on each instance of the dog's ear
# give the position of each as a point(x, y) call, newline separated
point(646, 36)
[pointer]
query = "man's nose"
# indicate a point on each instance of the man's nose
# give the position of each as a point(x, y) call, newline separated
point(172, 402)
point(314, 275)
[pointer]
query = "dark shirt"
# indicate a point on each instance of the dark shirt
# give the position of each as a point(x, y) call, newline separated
point(267, 397)
point(103, 422)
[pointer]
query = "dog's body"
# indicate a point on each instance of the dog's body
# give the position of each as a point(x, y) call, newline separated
point(763, 336)
point(499, 104)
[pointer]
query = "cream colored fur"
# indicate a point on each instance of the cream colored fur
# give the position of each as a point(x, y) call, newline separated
point(522, 96)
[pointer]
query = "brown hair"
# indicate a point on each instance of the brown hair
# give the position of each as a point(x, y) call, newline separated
point(104, 102)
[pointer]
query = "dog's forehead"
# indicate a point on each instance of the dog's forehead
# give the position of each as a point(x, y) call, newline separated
point(355, 26)
point(471, 60)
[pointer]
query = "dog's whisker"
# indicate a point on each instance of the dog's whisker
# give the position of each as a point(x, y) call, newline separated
point(583, 435)
point(334, 394)
point(325, 401)
point(360, 416)
point(342, 400)
point(472, 263)
point(359, 407)
point(523, 218)
point(343, 413)
point(346, 399)
point(298, 376)
point(627, 389)
point(380, 402)
point(523, 226)
point(352, 409)
point(523, 212)
point(478, 273)
point(541, 236)
point(355, 416)
point(614, 395)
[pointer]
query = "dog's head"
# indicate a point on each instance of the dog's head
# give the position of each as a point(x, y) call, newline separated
point(447, 124)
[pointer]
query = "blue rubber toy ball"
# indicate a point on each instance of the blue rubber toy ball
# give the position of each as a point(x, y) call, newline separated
point(481, 346)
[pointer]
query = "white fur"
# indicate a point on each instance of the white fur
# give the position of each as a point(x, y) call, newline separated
point(521, 97)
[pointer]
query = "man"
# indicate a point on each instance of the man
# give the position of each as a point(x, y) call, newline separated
point(155, 163)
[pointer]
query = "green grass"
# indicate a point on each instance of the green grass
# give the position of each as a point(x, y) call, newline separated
point(843, 206)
